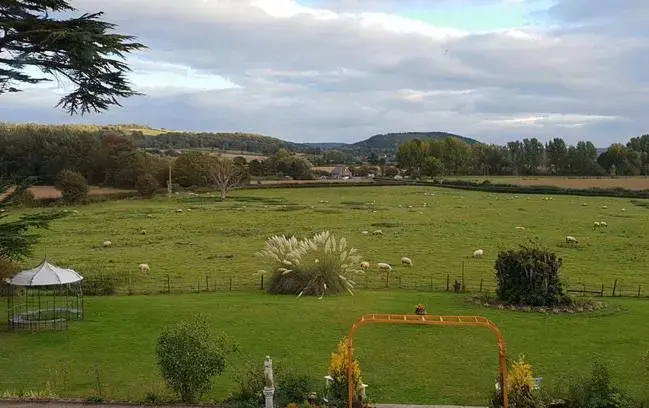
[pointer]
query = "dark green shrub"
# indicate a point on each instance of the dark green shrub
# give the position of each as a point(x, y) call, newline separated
point(292, 387)
point(72, 185)
point(189, 357)
point(251, 383)
point(146, 185)
point(529, 276)
point(597, 391)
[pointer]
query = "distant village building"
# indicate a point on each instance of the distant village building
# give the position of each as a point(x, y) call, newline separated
point(340, 172)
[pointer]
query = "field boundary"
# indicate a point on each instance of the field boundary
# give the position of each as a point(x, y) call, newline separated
point(451, 283)
point(538, 189)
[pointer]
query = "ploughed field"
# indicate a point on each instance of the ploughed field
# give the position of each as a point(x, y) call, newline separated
point(212, 244)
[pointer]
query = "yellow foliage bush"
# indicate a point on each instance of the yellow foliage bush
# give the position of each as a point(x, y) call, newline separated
point(338, 367)
point(521, 376)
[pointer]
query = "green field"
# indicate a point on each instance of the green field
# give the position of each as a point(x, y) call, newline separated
point(400, 364)
point(217, 241)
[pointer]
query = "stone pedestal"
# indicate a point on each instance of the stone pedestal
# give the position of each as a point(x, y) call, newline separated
point(268, 394)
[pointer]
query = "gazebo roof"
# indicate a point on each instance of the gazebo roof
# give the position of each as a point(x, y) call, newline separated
point(45, 274)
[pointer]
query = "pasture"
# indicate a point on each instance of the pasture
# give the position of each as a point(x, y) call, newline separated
point(115, 345)
point(438, 228)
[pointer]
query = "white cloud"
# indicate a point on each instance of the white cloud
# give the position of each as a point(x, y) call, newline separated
point(344, 70)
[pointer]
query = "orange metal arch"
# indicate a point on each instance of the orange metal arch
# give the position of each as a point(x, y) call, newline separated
point(433, 321)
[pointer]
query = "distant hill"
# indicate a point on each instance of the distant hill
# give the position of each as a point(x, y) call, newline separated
point(391, 141)
point(165, 139)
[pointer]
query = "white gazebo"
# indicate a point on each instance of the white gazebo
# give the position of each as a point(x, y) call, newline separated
point(44, 297)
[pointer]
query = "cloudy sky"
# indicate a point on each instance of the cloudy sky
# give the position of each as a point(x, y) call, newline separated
point(343, 70)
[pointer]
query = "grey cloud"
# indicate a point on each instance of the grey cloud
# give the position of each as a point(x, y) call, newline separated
point(309, 79)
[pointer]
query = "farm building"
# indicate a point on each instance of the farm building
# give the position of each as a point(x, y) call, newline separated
point(339, 172)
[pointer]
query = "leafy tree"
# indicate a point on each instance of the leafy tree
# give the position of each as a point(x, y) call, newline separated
point(529, 276)
point(625, 161)
point(83, 50)
point(189, 356)
point(411, 156)
point(193, 169)
point(147, 185)
point(557, 154)
point(224, 175)
point(16, 241)
point(532, 155)
point(456, 155)
point(73, 186)
point(433, 167)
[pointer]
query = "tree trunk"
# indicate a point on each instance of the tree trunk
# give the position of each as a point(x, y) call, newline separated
point(224, 193)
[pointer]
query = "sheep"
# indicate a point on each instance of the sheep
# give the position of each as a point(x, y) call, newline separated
point(179, 210)
point(520, 228)
point(603, 224)
point(365, 232)
point(144, 268)
point(365, 265)
point(596, 224)
point(384, 266)
point(623, 209)
point(149, 215)
point(377, 232)
point(571, 240)
point(106, 244)
point(478, 253)
point(143, 232)
point(406, 261)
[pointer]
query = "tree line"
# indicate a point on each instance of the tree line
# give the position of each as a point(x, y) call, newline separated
point(452, 156)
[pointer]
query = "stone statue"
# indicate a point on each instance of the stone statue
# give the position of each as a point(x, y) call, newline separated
point(268, 372)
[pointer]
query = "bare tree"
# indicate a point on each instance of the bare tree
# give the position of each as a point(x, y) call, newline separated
point(225, 175)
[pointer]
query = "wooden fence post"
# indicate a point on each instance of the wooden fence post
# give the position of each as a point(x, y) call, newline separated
point(207, 283)
point(481, 285)
point(448, 282)
point(230, 284)
point(614, 287)
point(168, 284)
point(431, 284)
point(262, 281)
point(638, 290)
point(602, 292)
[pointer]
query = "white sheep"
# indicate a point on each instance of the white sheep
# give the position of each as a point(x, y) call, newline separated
point(597, 224)
point(603, 224)
point(106, 244)
point(571, 240)
point(377, 232)
point(365, 232)
point(384, 267)
point(143, 232)
point(179, 210)
point(520, 228)
point(604, 207)
point(365, 265)
point(406, 261)
point(623, 209)
point(144, 268)
point(478, 253)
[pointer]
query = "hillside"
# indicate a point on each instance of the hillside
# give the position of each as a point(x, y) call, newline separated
point(391, 141)
point(165, 139)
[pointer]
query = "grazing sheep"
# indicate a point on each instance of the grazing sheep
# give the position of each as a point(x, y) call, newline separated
point(596, 224)
point(365, 265)
point(604, 207)
point(571, 240)
point(520, 228)
point(623, 209)
point(478, 253)
point(144, 268)
point(149, 215)
point(584, 204)
point(384, 266)
point(179, 210)
point(143, 232)
point(189, 210)
point(377, 232)
point(406, 261)
point(603, 224)
point(365, 232)
point(106, 244)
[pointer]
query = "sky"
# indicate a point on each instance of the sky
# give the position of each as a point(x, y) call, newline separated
point(343, 70)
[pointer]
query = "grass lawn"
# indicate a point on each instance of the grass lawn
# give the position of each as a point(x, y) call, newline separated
point(400, 364)
point(438, 228)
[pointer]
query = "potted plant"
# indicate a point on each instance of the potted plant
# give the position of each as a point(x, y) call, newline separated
point(420, 310)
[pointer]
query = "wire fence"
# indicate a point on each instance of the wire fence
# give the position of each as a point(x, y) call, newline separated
point(456, 283)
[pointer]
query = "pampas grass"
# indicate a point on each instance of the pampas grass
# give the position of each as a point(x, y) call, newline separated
point(311, 266)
